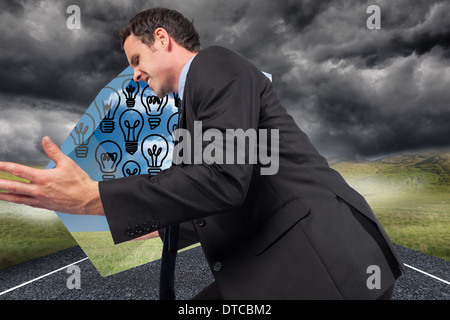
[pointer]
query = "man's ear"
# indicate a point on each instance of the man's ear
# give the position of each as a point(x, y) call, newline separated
point(162, 38)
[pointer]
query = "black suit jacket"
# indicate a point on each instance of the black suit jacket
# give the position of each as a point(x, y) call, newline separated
point(302, 233)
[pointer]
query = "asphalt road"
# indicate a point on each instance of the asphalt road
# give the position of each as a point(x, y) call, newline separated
point(46, 278)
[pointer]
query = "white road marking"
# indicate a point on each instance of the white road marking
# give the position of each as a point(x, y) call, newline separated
point(43, 276)
point(426, 273)
point(65, 267)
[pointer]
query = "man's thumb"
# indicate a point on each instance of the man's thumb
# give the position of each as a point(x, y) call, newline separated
point(52, 150)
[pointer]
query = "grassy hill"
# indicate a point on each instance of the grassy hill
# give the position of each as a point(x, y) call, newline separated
point(410, 194)
point(409, 171)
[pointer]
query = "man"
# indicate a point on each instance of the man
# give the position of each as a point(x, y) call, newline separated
point(301, 233)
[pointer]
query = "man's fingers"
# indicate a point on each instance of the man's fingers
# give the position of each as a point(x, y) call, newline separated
point(52, 150)
point(18, 170)
point(17, 187)
point(21, 199)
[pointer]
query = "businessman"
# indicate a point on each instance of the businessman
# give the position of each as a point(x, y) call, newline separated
point(299, 233)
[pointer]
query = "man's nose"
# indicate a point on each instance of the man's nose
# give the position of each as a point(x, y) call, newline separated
point(137, 76)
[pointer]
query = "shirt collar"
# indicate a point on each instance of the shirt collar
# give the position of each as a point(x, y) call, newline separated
point(183, 75)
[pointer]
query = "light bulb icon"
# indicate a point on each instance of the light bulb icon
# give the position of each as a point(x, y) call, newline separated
point(131, 122)
point(82, 133)
point(154, 106)
point(107, 102)
point(172, 125)
point(131, 168)
point(155, 149)
point(108, 155)
point(130, 89)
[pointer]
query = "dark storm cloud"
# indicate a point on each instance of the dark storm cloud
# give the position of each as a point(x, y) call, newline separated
point(389, 92)
point(41, 57)
point(407, 28)
point(352, 90)
point(24, 122)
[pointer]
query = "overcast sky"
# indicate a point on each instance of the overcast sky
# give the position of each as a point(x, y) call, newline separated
point(356, 92)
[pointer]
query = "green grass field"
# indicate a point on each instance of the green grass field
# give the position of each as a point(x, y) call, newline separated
point(409, 193)
point(27, 233)
point(416, 220)
point(109, 259)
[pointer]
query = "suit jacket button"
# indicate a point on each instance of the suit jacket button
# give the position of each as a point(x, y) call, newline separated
point(154, 223)
point(217, 266)
point(138, 229)
point(130, 231)
point(200, 222)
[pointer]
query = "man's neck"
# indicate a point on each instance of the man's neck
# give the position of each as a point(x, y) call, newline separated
point(182, 59)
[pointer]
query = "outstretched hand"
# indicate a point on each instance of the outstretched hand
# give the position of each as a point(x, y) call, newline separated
point(66, 188)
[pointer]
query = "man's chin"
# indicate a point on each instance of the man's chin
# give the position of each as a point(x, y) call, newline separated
point(161, 94)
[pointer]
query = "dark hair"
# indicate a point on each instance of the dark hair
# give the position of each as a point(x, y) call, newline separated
point(177, 26)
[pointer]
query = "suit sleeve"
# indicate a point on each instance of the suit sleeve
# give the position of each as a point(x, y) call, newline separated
point(222, 97)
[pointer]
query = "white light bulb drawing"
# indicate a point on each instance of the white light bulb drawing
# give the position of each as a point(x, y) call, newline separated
point(155, 149)
point(131, 168)
point(82, 133)
point(130, 89)
point(131, 122)
point(107, 102)
point(108, 155)
point(154, 106)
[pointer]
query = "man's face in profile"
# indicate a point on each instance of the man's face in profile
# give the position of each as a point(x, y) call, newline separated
point(151, 64)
